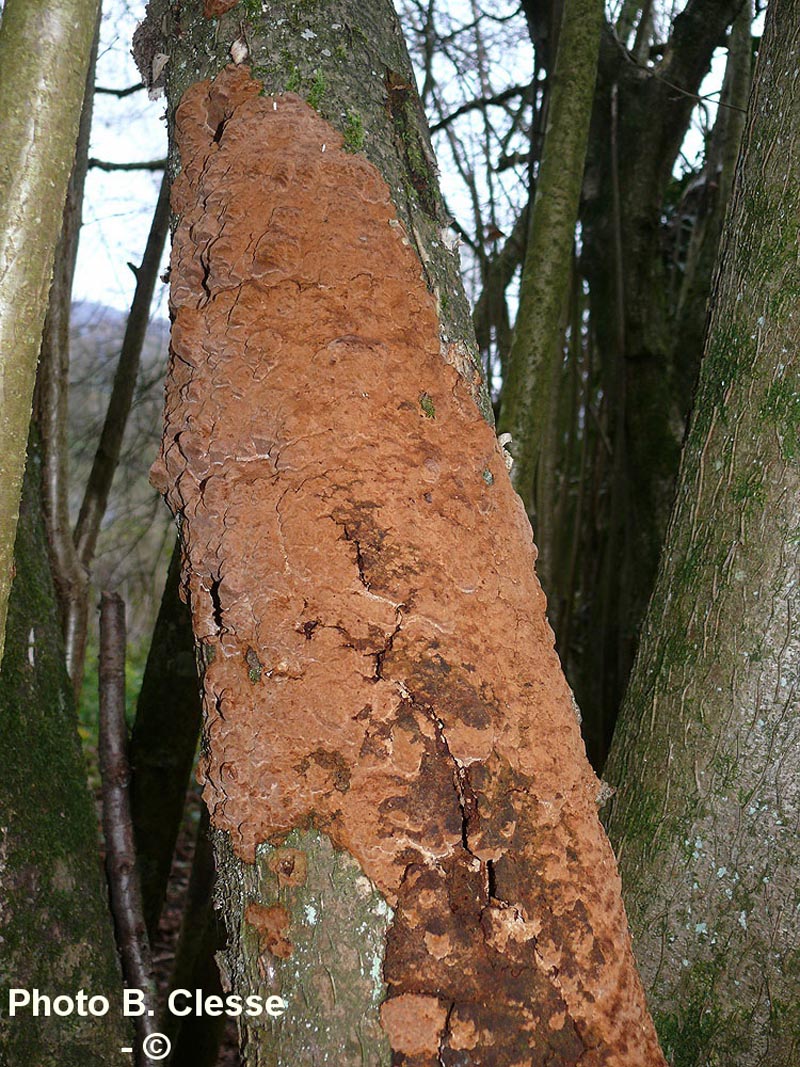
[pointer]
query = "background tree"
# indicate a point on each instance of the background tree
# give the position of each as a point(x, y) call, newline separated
point(535, 353)
point(631, 333)
point(705, 758)
point(55, 928)
point(33, 183)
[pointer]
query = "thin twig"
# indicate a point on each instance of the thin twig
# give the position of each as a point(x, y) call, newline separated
point(147, 164)
point(482, 102)
point(655, 73)
point(119, 92)
point(123, 877)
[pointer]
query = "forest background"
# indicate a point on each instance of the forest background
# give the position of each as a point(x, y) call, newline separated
point(598, 419)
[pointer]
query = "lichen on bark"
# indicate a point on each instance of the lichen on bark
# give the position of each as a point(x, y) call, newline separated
point(410, 705)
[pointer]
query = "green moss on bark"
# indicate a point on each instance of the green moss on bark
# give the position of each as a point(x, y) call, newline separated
point(54, 924)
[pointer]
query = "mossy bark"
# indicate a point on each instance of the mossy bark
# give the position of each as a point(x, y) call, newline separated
point(54, 924)
point(538, 332)
point(707, 752)
point(717, 178)
point(44, 56)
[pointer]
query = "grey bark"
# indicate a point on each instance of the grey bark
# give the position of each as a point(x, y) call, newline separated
point(706, 758)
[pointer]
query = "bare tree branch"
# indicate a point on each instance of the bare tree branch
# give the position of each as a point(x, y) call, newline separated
point(119, 92)
point(149, 164)
point(123, 876)
point(107, 456)
point(482, 103)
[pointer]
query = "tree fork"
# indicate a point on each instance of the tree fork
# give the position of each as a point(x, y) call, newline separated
point(407, 836)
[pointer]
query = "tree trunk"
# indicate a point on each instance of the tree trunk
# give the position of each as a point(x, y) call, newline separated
point(707, 752)
point(55, 928)
point(640, 118)
point(51, 396)
point(537, 348)
point(717, 182)
point(163, 744)
point(407, 837)
point(44, 55)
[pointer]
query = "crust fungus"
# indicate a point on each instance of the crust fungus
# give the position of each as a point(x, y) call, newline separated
point(369, 553)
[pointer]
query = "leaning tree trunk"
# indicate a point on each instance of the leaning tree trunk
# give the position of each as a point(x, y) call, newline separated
point(706, 759)
point(55, 928)
point(44, 55)
point(406, 827)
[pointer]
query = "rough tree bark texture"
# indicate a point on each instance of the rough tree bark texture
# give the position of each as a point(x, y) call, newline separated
point(55, 929)
point(408, 839)
point(706, 757)
point(44, 54)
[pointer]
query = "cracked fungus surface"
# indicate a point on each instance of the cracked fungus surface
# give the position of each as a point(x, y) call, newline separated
point(379, 663)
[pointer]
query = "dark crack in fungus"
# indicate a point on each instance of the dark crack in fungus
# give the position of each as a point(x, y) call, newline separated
point(379, 567)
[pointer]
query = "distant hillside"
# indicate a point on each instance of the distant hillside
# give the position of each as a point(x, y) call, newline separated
point(137, 533)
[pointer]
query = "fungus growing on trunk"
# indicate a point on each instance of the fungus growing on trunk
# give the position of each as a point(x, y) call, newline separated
point(367, 552)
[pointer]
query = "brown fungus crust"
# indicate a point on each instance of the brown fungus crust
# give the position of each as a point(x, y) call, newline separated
point(409, 703)
point(271, 922)
point(214, 8)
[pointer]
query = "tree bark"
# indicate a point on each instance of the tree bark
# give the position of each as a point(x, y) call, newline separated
point(51, 397)
point(706, 755)
point(407, 838)
point(54, 922)
point(44, 55)
point(717, 179)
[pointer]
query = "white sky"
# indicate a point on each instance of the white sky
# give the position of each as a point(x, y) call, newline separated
point(118, 206)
